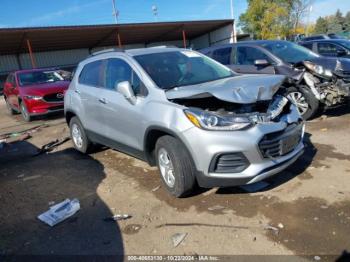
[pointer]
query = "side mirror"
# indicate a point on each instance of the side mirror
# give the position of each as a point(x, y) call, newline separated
point(341, 52)
point(125, 89)
point(261, 62)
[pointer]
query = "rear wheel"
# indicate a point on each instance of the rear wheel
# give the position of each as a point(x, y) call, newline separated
point(80, 141)
point(175, 165)
point(304, 100)
point(24, 111)
point(9, 108)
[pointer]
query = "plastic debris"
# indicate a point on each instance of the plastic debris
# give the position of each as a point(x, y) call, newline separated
point(217, 207)
point(50, 146)
point(280, 225)
point(317, 258)
point(23, 132)
point(60, 212)
point(155, 189)
point(118, 217)
point(178, 238)
point(31, 177)
point(274, 229)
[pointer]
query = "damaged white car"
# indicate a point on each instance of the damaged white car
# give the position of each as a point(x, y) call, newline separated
point(193, 117)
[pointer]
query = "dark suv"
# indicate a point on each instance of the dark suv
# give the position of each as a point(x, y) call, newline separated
point(329, 47)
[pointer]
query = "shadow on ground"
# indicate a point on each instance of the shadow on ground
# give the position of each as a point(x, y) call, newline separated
point(28, 184)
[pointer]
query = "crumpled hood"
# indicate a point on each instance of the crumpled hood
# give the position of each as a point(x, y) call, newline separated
point(242, 89)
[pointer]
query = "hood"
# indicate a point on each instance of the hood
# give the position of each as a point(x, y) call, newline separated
point(331, 62)
point(45, 88)
point(243, 89)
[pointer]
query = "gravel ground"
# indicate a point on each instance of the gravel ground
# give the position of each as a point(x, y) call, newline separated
point(308, 204)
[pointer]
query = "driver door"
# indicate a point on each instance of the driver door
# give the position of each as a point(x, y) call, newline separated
point(244, 59)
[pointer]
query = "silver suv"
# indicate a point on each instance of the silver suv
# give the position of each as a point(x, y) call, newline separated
point(197, 120)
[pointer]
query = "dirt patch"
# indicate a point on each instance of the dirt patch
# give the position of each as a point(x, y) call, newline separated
point(311, 224)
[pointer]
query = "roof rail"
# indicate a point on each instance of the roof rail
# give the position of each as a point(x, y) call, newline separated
point(107, 51)
point(163, 46)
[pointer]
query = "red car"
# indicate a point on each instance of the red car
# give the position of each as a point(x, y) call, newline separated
point(34, 92)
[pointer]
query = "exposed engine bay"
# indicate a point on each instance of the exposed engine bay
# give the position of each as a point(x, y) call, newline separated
point(260, 111)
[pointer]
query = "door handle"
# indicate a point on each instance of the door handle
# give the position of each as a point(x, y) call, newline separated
point(77, 91)
point(102, 100)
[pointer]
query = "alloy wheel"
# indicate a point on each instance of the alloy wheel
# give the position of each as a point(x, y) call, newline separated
point(299, 100)
point(166, 167)
point(77, 136)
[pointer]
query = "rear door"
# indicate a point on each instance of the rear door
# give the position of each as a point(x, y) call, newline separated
point(244, 57)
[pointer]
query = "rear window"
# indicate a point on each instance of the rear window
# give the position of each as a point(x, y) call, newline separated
point(90, 75)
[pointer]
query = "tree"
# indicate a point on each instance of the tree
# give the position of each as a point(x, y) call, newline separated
point(266, 19)
point(298, 9)
point(336, 23)
point(321, 26)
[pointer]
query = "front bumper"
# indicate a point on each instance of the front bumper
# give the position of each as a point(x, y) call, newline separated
point(205, 145)
point(40, 107)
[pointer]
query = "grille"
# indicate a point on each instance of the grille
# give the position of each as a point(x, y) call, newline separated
point(280, 143)
point(229, 163)
point(56, 97)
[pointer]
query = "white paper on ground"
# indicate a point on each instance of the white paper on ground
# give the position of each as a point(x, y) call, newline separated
point(60, 212)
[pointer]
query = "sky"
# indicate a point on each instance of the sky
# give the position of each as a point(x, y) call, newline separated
point(81, 12)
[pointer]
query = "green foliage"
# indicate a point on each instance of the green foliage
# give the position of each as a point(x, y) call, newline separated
point(321, 26)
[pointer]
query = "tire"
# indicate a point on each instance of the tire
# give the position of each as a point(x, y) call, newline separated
point(10, 110)
point(182, 180)
point(24, 111)
point(302, 97)
point(78, 135)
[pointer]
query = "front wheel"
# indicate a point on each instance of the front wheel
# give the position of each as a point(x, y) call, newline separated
point(80, 140)
point(306, 103)
point(24, 111)
point(175, 165)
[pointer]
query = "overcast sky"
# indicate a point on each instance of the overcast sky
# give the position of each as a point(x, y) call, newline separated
point(23, 13)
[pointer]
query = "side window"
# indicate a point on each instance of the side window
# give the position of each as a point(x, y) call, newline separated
point(222, 55)
point(117, 70)
point(308, 45)
point(91, 74)
point(328, 48)
point(247, 55)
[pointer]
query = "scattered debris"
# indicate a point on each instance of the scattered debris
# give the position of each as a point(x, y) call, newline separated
point(324, 129)
point(117, 217)
point(23, 132)
point(60, 212)
point(155, 189)
point(324, 207)
point(317, 258)
point(315, 218)
point(217, 207)
point(20, 176)
point(211, 191)
point(254, 239)
point(255, 187)
point(324, 117)
point(132, 229)
point(50, 146)
point(280, 225)
point(51, 203)
point(31, 177)
point(274, 229)
point(178, 238)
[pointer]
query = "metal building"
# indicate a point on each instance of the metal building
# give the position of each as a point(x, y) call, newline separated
point(65, 46)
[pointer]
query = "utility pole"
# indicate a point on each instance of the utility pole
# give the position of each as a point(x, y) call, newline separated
point(155, 13)
point(308, 21)
point(234, 24)
point(115, 12)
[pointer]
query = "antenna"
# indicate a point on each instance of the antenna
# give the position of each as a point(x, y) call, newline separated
point(155, 13)
point(115, 12)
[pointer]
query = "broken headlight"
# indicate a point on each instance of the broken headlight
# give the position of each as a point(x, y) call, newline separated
point(318, 69)
point(211, 121)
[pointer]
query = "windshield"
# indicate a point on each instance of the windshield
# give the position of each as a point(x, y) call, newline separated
point(38, 77)
point(289, 52)
point(181, 68)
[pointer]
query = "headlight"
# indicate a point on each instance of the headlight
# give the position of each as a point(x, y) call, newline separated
point(318, 69)
point(211, 121)
point(33, 97)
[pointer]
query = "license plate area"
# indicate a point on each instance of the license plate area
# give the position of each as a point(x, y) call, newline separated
point(289, 143)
